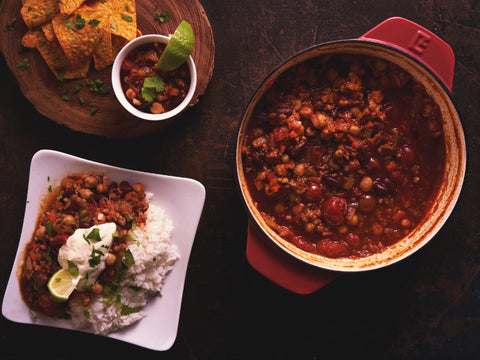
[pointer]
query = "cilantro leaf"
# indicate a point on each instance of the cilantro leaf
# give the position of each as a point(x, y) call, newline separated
point(152, 86)
point(72, 268)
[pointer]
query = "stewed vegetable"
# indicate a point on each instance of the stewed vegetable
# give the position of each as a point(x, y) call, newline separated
point(344, 154)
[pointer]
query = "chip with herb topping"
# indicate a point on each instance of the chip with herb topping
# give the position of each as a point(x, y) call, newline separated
point(38, 12)
point(47, 29)
point(80, 32)
point(69, 6)
point(32, 38)
point(124, 18)
point(57, 61)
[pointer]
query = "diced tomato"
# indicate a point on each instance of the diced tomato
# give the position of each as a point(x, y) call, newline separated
point(332, 249)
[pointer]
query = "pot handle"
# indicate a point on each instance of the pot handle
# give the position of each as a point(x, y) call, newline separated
point(281, 268)
point(418, 42)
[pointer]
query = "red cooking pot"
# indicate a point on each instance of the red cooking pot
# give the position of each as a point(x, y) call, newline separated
point(430, 62)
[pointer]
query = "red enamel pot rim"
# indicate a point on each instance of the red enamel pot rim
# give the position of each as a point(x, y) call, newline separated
point(436, 74)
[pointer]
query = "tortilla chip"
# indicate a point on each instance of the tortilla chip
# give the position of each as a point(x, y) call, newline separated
point(48, 31)
point(118, 43)
point(103, 52)
point(69, 6)
point(38, 12)
point(79, 33)
point(32, 38)
point(56, 60)
point(124, 18)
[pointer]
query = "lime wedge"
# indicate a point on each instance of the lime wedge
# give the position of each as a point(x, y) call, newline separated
point(62, 284)
point(178, 49)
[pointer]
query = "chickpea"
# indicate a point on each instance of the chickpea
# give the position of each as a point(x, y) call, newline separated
point(319, 120)
point(299, 170)
point(309, 227)
point(285, 158)
point(377, 229)
point(69, 220)
point(40, 232)
point(157, 108)
point(130, 94)
point(135, 101)
point(296, 104)
point(354, 220)
point(90, 181)
point(97, 288)
point(354, 130)
point(139, 188)
point(85, 193)
point(306, 112)
point(366, 184)
point(405, 223)
point(297, 209)
point(110, 259)
point(279, 208)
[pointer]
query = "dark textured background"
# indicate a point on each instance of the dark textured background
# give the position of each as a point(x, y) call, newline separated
point(426, 307)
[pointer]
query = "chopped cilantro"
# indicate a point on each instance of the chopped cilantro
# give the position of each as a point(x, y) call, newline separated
point(64, 98)
point(93, 111)
point(77, 88)
point(10, 25)
point(95, 257)
point(94, 235)
point(94, 22)
point(72, 268)
point(164, 16)
point(113, 25)
point(23, 65)
point(151, 86)
point(127, 18)
point(86, 314)
point(129, 260)
point(127, 310)
point(97, 87)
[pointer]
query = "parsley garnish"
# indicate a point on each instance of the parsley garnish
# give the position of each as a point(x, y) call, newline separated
point(78, 87)
point(129, 260)
point(94, 22)
point(127, 18)
point(94, 235)
point(23, 65)
point(164, 16)
point(152, 86)
point(75, 24)
point(95, 257)
point(127, 310)
point(10, 25)
point(72, 268)
point(97, 87)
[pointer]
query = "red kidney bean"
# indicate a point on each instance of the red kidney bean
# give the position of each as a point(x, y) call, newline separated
point(314, 192)
point(332, 181)
point(334, 209)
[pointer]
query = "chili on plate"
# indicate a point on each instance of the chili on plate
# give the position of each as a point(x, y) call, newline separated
point(81, 201)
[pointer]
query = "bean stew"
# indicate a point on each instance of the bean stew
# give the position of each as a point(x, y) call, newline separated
point(343, 155)
point(81, 201)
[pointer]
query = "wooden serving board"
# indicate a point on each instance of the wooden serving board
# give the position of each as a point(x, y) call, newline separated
point(44, 91)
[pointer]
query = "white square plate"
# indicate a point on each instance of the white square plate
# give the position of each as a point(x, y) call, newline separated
point(181, 198)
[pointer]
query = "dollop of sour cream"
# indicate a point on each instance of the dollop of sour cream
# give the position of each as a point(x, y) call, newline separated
point(86, 249)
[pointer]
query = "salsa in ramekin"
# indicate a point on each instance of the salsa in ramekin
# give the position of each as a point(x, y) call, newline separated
point(146, 87)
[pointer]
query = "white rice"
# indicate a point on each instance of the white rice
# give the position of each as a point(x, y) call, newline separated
point(154, 258)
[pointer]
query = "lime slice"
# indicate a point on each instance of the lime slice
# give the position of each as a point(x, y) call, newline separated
point(178, 49)
point(62, 284)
